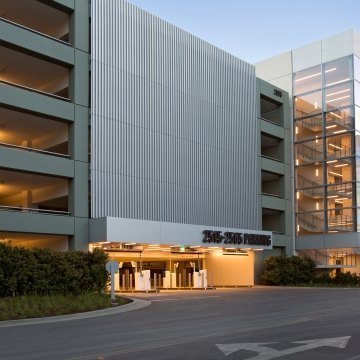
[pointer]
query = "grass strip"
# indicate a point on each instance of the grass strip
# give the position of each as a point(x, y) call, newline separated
point(33, 306)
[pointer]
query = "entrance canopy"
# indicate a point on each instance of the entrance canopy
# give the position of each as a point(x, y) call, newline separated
point(111, 229)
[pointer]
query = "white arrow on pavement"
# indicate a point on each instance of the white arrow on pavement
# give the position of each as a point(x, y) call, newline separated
point(267, 353)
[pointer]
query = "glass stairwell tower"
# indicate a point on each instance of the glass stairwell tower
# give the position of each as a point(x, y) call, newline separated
point(326, 125)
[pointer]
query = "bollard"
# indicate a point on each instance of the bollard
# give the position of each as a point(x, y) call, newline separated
point(127, 279)
point(155, 287)
point(123, 282)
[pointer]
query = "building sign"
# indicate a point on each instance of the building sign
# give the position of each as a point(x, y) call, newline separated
point(235, 238)
point(278, 93)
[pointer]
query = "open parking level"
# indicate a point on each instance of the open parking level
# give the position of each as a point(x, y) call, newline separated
point(245, 323)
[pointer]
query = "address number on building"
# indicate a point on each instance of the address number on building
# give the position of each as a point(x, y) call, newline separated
point(278, 93)
point(235, 238)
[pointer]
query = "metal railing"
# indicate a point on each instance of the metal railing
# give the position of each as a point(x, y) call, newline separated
point(33, 150)
point(34, 210)
point(35, 31)
point(308, 153)
point(35, 90)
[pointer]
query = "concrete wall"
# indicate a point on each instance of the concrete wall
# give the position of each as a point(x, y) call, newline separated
point(75, 112)
point(230, 270)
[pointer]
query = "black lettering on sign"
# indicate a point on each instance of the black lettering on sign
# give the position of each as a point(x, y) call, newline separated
point(235, 238)
point(278, 93)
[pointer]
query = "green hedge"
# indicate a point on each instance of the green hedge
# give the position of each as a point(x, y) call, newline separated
point(340, 279)
point(288, 270)
point(46, 272)
point(294, 270)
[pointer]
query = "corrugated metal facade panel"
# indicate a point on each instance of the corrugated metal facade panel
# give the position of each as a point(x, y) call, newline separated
point(173, 124)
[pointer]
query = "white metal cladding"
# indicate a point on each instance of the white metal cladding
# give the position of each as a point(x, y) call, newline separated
point(173, 124)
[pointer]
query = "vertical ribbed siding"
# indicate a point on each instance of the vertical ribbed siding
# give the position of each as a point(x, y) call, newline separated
point(173, 123)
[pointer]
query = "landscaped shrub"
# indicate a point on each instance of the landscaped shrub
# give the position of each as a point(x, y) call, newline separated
point(340, 279)
point(44, 272)
point(294, 270)
point(284, 270)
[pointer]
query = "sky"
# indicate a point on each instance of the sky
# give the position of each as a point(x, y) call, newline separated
point(254, 30)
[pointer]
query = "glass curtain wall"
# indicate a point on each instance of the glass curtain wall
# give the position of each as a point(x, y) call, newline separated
point(326, 147)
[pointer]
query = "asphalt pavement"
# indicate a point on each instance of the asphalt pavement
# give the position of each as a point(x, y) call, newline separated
point(257, 323)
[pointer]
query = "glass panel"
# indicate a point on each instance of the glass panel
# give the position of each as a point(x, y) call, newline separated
point(357, 169)
point(357, 118)
point(308, 128)
point(310, 223)
point(310, 199)
point(309, 176)
point(357, 220)
point(307, 80)
point(339, 146)
point(309, 104)
point(342, 192)
point(339, 120)
point(357, 92)
point(356, 68)
point(338, 71)
point(339, 171)
point(340, 219)
point(338, 96)
point(357, 147)
point(309, 152)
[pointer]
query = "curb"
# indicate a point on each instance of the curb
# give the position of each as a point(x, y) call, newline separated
point(136, 304)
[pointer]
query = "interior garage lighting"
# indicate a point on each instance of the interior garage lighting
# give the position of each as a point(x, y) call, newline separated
point(335, 146)
point(336, 115)
point(338, 92)
point(336, 174)
point(340, 98)
point(313, 75)
point(337, 82)
point(331, 126)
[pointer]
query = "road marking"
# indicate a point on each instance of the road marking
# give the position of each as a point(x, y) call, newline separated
point(184, 340)
point(267, 353)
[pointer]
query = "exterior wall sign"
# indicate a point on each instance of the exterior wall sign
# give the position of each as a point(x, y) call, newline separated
point(278, 93)
point(235, 238)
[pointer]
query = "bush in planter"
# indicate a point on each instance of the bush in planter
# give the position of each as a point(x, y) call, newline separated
point(45, 272)
point(284, 270)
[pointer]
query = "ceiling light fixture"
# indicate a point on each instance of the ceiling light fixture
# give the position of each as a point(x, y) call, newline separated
point(338, 92)
point(337, 82)
point(340, 98)
point(335, 146)
point(336, 174)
